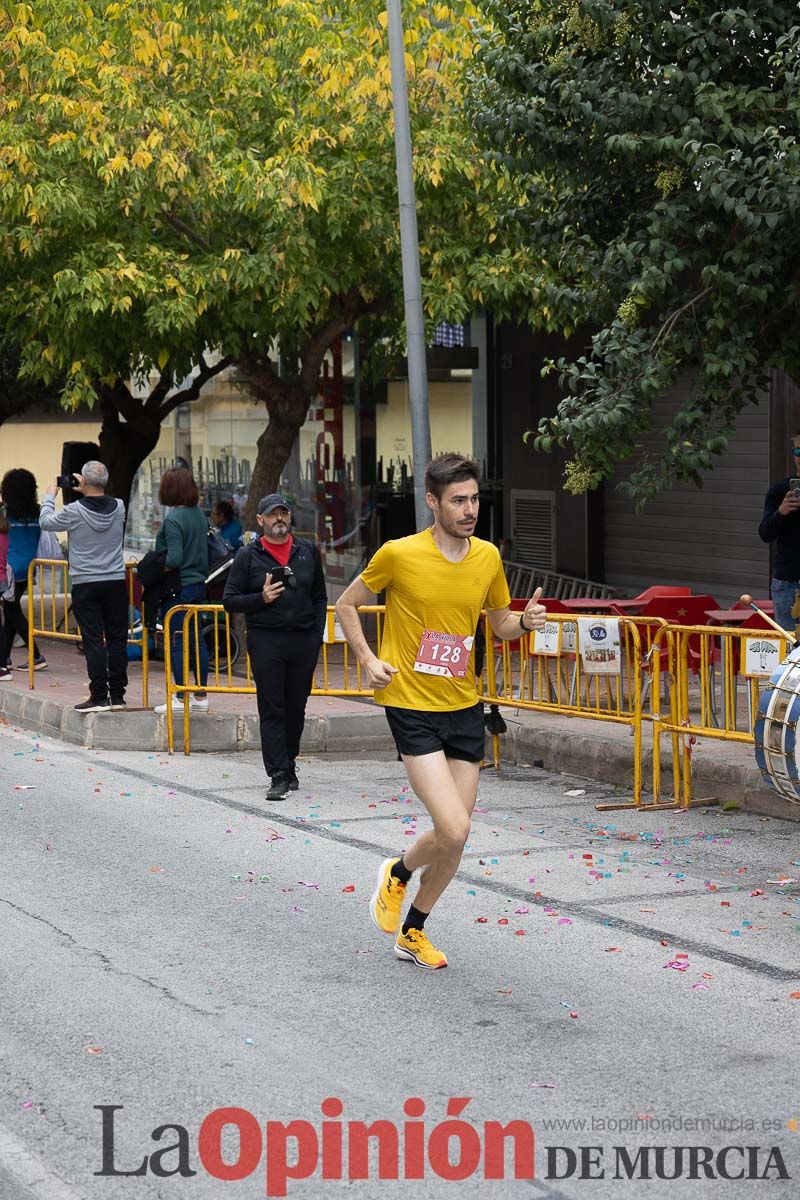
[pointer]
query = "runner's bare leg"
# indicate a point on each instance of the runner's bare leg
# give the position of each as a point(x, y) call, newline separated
point(448, 788)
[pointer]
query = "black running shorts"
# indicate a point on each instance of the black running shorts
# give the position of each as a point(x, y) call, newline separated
point(460, 734)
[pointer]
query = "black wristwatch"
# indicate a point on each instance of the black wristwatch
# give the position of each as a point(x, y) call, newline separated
point(522, 624)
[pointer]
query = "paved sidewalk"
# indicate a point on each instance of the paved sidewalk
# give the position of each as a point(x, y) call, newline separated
point(231, 724)
point(723, 771)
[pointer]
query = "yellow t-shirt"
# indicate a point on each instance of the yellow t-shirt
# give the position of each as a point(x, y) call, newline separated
point(425, 591)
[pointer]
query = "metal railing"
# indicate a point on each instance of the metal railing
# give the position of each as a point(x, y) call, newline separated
point(681, 683)
point(50, 612)
point(561, 682)
point(523, 580)
point(338, 672)
point(706, 665)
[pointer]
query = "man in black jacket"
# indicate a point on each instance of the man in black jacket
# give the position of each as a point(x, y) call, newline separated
point(781, 524)
point(285, 624)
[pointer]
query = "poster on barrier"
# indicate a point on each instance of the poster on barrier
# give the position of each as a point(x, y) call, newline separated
point(599, 644)
point(569, 637)
point(547, 641)
point(761, 656)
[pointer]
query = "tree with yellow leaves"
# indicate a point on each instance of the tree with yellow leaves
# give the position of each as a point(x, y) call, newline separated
point(185, 185)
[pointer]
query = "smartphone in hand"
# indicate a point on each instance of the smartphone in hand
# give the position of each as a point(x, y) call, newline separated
point(794, 486)
point(284, 575)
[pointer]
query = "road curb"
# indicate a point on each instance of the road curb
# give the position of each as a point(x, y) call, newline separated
point(610, 760)
point(557, 745)
point(211, 732)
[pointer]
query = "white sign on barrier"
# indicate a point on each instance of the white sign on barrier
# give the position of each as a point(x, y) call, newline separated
point(569, 637)
point(547, 641)
point(599, 643)
point(761, 656)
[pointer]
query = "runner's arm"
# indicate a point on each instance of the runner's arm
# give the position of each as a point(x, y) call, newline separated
point(347, 606)
point(509, 625)
point(379, 673)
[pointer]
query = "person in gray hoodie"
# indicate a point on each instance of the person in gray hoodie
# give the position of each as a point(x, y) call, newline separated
point(95, 524)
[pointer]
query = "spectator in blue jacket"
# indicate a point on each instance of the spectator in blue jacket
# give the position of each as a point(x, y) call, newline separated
point(223, 517)
point(18, 494)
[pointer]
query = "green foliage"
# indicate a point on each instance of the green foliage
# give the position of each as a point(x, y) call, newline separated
point(198, 174)
point(656, 147)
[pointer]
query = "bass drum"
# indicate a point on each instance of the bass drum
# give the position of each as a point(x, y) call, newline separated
point(776, 728)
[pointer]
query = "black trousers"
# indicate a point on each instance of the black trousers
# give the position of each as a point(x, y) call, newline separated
point(15, 619)
point(283, 666)
point(101, 610)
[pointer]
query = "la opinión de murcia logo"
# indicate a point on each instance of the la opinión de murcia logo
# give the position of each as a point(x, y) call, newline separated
point(453, 1149)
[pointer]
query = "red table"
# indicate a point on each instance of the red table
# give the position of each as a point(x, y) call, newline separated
point(766, 605)
point(735, 616)
point(584, 605)
point(728, 616)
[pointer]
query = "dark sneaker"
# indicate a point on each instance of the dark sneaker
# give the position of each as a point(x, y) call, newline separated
point(118, 704)
point(294, 782)
point(93, 706)
point(39, 664)
point(5, 673)
point(278, 788)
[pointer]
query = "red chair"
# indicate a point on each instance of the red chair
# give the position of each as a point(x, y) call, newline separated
point(684, 609)
point(765, 604)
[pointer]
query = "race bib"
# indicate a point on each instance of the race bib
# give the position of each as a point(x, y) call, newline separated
point(443, 654)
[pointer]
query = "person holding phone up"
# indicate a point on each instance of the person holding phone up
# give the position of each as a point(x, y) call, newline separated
point(279, 585)
point(781, 524)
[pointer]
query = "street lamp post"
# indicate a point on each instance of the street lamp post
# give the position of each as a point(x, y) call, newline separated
point(412, 285)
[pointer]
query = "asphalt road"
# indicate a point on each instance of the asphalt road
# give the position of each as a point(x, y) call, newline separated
point(172, 944)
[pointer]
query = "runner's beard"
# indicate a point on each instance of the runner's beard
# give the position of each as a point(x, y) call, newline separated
point(456, 529)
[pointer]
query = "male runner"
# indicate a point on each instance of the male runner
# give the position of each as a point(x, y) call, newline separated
point(436, 582)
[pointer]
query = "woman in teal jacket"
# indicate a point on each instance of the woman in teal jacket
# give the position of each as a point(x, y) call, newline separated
point(183, 538)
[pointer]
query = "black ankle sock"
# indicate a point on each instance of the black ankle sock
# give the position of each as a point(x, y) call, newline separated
point(400, 871)
point(414, 919)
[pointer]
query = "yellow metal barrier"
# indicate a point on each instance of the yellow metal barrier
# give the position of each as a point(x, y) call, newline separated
point(341, 672)
point(337, 657)
point(666, 679)
point(557, 682)
point(697, 654)
point(44, 605)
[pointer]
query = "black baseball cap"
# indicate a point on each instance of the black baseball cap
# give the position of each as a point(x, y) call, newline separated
point(267, 503)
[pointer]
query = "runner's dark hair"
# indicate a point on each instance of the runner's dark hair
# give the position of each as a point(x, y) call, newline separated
point(449, 468)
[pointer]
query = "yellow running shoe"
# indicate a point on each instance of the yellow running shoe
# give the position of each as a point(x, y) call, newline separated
point(415, 947)
point(387, 899)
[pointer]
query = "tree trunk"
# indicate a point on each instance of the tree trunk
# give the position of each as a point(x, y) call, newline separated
point(287, 406)
point(124, 447)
